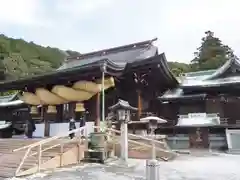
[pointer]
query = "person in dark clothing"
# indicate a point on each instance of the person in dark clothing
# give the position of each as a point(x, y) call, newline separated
point(30, 128)
point(82, 122)
point(72, 126)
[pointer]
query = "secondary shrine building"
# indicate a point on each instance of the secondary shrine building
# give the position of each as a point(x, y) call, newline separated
point(203, 111)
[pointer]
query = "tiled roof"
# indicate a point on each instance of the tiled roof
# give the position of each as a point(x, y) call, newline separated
point(225, 75)
point(118, 55)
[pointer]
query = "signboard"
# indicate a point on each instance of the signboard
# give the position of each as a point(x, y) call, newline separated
point(197, 115)
point(198, 120)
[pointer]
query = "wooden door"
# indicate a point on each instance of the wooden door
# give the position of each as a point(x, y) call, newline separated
point(199, 138)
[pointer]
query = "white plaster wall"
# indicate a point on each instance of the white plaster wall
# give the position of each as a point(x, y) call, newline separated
point(228, 136)
point(58, 128)
point(39, 132)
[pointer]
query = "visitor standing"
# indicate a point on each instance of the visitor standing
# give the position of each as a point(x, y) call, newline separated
point(72, 126)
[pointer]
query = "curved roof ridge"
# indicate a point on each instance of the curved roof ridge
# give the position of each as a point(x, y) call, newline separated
point(221, 70)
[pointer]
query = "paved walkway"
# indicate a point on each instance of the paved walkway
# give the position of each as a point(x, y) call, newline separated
point(186, 167)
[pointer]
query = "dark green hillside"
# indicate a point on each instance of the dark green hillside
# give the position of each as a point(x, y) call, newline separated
point(19, 58)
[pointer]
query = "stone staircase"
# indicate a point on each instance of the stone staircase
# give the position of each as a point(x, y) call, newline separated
point(9, 160)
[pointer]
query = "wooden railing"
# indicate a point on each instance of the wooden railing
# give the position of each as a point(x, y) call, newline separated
point(153, 143)
point(40, 147)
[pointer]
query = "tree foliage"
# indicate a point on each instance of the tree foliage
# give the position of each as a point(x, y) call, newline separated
point(210, 55)
point(178, 68)
point(19, 58)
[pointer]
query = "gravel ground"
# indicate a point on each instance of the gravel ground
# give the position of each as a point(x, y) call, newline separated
point(203, 166)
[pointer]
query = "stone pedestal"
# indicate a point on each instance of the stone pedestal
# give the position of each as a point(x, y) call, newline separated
point(124, 141)
point(97, 149)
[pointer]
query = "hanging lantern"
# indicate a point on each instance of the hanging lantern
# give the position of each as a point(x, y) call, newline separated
point(33, 110)
point(51, 109)
point(79, 107)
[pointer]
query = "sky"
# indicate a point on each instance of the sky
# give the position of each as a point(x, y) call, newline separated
point(88, 25)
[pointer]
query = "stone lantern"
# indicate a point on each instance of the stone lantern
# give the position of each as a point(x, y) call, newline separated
point(152, 165)
point(123, 109)
point(152, 123)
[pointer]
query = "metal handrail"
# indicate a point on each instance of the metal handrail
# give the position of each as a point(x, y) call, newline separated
point(40, 144)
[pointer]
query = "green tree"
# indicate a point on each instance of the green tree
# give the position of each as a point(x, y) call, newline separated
point(19, 58)
point(178, 68)
point(211, 54)
point(16, 67)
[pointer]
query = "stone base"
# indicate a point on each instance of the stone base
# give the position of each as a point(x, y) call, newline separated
point(95, 156)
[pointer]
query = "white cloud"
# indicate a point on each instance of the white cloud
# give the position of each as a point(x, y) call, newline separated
point(183, 24)
point(81, 7)
point(18, 11)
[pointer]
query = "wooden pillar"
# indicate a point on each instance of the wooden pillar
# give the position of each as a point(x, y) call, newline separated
point(59, 115)
point(50, 117)
point(42, 113)
point(71, 112)
point(139, 104)
point(97, 118)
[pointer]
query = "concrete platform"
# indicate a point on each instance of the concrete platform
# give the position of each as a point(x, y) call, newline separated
point(185, 167)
